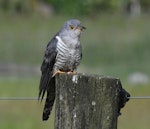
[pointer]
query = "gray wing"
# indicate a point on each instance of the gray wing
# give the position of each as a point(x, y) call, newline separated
point(47, 67)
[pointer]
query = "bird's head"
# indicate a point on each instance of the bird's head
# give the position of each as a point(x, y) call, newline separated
point(73, 28)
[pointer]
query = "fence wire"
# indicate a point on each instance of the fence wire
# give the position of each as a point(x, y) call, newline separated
point(19, 98)
point(139, 97)
point(36, 98)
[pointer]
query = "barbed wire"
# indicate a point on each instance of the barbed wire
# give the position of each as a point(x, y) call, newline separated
point(36, 98)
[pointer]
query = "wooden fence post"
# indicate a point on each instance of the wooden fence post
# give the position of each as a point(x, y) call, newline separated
point(87, 102)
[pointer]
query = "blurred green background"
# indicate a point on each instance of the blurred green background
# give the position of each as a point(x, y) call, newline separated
point(116, 43)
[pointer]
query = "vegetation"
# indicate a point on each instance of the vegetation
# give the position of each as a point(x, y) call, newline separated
point(21, 113)
point(78, 7)
point(112, 45)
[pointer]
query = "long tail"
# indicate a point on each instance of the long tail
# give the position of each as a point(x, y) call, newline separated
point(44, 84)
point(49, 99)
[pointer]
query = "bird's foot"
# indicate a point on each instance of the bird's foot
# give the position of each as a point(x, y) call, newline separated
point(58, 71)
point(71, 72)
point(61, 72)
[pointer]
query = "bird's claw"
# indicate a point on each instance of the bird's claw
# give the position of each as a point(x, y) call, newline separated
point(71, 72)
point(61, 72)
point(58, 71)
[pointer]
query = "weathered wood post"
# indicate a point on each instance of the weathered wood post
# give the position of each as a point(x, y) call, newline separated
point(87, 102)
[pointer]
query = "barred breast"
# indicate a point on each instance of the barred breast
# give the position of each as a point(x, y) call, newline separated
point(68, 58)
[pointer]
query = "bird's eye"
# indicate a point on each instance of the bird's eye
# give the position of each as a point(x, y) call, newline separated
point(71, 27)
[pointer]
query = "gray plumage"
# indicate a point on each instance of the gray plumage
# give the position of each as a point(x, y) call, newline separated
point(68, 56)
point(63, 53)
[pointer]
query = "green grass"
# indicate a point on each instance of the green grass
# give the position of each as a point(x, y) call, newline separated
point(135, 115)
point(117, 46)
point(16, 114)
point(112, 45)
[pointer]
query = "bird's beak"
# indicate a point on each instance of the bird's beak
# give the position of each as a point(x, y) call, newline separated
point(81, 28)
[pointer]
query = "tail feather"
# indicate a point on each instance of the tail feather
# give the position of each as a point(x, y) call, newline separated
point(49, 100)
point(44, 84)
point(47, 84)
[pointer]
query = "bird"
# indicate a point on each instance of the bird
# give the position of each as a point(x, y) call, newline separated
point(63, 54)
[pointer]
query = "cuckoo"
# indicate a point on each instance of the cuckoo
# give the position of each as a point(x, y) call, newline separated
point(63, 55)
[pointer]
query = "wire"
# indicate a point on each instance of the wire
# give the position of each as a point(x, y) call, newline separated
point(35, 98)
point(139, 97)
point(19, 98)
